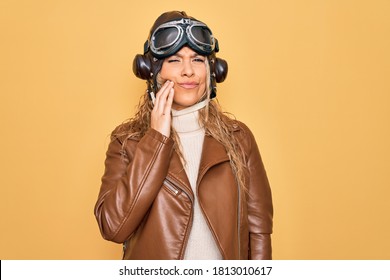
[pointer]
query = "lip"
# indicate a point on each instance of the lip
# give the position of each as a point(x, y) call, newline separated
point(189, 85)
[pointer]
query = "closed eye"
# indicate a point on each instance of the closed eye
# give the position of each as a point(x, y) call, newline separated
point(172, 60)
point(199, 59)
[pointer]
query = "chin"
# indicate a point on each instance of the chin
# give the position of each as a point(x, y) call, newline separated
point(185, 102)
point(182, 105)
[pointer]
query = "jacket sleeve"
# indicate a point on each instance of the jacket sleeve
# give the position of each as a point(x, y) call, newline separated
point(131, 181)
point(259, 199)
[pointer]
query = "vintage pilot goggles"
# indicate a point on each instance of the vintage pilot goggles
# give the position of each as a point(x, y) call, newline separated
point(170, 37)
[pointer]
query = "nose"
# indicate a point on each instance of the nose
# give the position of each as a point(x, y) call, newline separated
point(187, 69)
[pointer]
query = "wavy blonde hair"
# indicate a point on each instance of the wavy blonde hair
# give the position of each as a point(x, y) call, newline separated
point(217, 124)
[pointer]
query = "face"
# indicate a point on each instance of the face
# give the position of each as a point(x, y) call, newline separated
point(187, 70)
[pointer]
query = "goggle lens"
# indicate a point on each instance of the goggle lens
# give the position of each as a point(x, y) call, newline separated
point(201, 35)
point(166, 37)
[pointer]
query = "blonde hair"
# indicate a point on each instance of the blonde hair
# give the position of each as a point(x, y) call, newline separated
point(217, 124)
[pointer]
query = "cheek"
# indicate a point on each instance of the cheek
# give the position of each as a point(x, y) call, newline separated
point(164, 75)
point(166, 72)
point(201, 73)
point(204, 81)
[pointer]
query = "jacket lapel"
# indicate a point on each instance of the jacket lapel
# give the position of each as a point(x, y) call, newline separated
point(213, 153)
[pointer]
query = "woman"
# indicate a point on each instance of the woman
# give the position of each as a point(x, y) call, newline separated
point(183, 180)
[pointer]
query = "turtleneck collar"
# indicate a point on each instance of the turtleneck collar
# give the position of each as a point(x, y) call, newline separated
point(187, 120)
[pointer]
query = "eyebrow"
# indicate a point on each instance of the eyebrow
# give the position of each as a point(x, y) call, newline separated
point(192, 55)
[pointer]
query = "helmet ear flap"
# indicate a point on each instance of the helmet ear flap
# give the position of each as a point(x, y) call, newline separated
point(220, 69)
point(142, 67)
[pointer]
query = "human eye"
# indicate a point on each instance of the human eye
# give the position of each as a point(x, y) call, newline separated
point(173, 59)
point(199, 59)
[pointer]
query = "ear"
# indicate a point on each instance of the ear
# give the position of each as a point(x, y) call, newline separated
point(220, 69)
point(142, 67)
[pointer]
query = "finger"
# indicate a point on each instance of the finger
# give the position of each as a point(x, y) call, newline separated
point(158, 93)
point(168, 104)
point(163, 97)
point(158, 96)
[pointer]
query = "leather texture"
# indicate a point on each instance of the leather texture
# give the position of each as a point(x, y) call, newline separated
point(146, 200)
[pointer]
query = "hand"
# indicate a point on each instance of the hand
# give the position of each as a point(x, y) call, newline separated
point(161, 113)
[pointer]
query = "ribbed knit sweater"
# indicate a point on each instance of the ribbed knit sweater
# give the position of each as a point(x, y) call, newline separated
point(201, 243)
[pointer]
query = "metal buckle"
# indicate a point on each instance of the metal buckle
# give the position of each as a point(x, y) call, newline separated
point(187, 21)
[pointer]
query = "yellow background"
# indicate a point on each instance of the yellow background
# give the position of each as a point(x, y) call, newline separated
point(310, 78)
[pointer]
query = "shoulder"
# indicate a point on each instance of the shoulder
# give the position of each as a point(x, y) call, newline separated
point(129, 132)
point(124, 131)
point(241, 130)
point(243, 135)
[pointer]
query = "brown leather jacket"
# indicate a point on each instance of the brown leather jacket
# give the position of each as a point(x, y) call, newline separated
point(146, 201)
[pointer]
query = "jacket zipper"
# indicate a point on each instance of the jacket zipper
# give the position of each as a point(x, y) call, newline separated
point(171, 187)
point(208, 225)
point(170, 184)
point(124, 247)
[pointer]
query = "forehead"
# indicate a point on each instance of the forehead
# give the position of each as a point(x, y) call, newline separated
point(186, 51)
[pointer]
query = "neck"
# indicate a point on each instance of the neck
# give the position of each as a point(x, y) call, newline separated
point(187, 120)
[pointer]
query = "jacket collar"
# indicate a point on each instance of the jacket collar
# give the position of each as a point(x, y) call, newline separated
point(213, 153)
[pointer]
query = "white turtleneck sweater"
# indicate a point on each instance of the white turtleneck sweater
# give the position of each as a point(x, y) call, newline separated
point(201, 243)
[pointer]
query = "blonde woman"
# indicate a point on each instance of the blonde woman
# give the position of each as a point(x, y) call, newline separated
point(182, 179)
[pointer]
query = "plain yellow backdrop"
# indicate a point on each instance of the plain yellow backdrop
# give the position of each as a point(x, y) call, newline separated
point(310, 78)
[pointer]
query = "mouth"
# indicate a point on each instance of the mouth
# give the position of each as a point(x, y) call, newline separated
point(189, 85)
